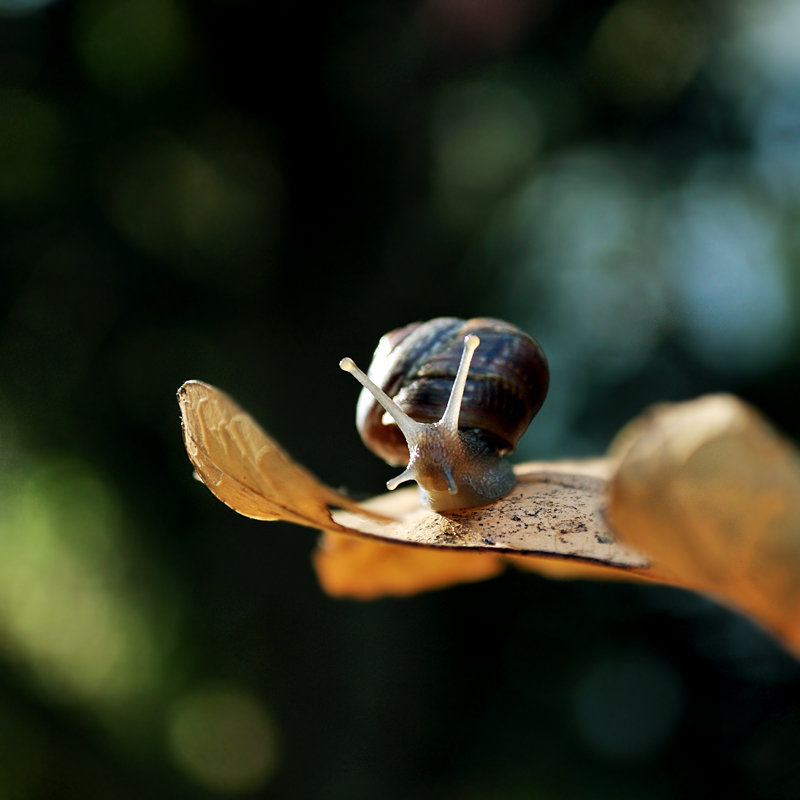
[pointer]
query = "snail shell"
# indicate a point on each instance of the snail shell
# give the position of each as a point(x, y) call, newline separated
point(417, 364)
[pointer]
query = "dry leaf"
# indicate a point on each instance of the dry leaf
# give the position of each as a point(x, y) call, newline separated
point(551, 523)
point(712, 493)
point(705, 495)
point(364, 569)
point(247, 469)
point(556, 510)
point(553, 519)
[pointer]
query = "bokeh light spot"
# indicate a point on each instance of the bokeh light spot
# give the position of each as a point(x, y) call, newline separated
point(646, 51)
point(586, 219)
point(765, 41)
point(194, 206)
point(67, 614)
point(224, 738)
point(628, 706)
point(725, 252)
point(485, 135)
point(19, 8)
point(478, 24)
point(30, 133)
point(132, 47)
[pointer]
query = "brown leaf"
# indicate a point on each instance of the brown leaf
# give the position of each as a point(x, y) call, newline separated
point(366, 568)
point(712, 493)
point(551, 523)
point(246, 468)
point(706, 489)
point(556, 510)
point(554, 513)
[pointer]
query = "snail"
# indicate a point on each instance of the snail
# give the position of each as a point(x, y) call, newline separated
point(448, 398)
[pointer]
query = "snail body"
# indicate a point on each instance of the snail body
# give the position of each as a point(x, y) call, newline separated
point(448, 398)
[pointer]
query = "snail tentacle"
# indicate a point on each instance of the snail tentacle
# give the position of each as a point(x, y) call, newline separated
point(409, 426)
point(452, 412)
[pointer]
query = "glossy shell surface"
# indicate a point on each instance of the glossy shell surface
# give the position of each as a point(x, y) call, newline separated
point(416, 366)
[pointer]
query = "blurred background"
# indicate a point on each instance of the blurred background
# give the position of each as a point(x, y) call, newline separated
point(244, 193)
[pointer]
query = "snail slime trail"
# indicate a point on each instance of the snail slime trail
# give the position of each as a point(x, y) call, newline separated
point(447, 399)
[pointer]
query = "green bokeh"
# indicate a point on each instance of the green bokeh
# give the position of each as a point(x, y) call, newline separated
point(130, 48)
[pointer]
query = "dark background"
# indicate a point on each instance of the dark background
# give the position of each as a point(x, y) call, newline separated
point(245, 192)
